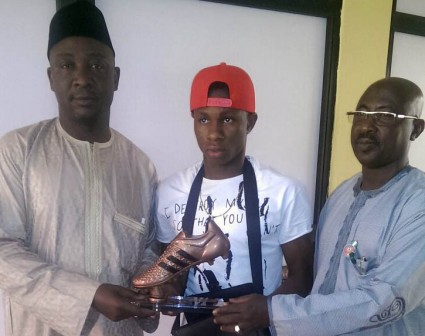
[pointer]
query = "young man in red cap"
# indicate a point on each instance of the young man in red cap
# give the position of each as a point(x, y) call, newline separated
point(76, 199)
point(264, 214)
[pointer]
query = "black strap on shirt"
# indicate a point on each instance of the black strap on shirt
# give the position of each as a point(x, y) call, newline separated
point(252, 219)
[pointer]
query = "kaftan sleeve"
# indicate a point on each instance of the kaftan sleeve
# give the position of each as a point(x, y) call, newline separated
point(391, 290)
point(58, 298)
point(150, 255)
point(152, 247)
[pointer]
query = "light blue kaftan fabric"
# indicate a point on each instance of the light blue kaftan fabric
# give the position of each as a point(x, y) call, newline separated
point(383, 294)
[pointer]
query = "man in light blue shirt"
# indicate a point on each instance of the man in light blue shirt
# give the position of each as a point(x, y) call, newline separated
point(370, 252)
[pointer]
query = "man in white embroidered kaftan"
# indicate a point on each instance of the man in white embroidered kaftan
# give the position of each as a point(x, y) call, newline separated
point(76, 199)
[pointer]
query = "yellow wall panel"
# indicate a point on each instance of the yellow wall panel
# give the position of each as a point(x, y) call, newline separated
point(364, 38)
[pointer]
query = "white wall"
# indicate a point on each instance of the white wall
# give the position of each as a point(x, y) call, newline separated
point(160, 45)
point(414, 7)
point(408, 62)
point(24, 90)
point(283, 53)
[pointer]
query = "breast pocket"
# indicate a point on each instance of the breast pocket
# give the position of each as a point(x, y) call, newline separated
point(131, 244)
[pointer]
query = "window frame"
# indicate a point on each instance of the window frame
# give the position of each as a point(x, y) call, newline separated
point(403, 23)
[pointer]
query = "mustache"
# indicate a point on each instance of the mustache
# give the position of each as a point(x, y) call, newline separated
point(367, 136)
point(83, 92)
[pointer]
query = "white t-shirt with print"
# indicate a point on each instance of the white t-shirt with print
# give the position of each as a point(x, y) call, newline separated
point(285, 215)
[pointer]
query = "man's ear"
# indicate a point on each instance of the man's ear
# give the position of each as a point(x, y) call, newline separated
point(117, 72)
point(49, 75)
point(418, 127)
point(252, 119)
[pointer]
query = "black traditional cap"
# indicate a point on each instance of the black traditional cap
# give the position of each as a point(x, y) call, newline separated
point(80, 18)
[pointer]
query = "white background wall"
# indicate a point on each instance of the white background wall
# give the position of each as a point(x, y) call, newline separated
point(408, 62)
point(164, 43)
point(24, 88)
point(160, 45)
point(414, 7)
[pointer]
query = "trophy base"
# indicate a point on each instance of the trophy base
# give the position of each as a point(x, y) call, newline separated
point(181, 304)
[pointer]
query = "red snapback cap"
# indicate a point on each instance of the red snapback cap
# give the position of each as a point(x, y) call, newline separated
point(241, 89)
